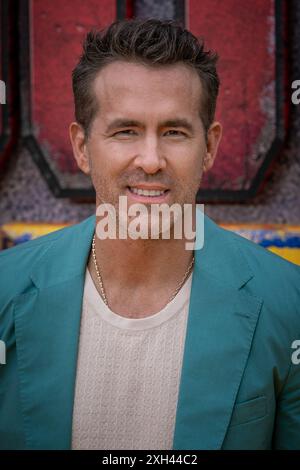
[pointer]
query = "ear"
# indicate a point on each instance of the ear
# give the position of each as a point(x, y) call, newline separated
point(79, 146)
point(214, 135)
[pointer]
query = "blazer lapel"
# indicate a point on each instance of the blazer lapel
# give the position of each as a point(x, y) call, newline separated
point(47, 325)
point(220, 328)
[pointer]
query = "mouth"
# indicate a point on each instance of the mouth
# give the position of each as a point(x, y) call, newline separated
point(149, 194)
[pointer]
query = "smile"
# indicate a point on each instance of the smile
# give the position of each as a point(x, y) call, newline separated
point(146, 195)
point(147, 192)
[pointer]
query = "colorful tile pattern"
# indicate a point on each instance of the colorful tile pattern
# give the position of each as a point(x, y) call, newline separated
point(284, 240)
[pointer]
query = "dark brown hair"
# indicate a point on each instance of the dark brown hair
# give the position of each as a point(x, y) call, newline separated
point(150, 42)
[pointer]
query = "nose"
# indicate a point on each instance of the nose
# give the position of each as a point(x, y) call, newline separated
point(149, 157)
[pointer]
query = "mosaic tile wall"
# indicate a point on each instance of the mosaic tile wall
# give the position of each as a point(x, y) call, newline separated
point(24, 195)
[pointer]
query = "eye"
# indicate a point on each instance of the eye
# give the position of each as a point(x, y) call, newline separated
point(176, 133)
point(125, 132)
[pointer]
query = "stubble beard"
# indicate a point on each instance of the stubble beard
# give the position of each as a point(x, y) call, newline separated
point(182, 196)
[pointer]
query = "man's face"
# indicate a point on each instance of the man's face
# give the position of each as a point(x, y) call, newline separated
point(147, 135)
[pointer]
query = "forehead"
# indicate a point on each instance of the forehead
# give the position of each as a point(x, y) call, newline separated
point(130, 87)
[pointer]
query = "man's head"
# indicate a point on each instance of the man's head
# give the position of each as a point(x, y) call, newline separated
point(145, 95)
point(150, 42)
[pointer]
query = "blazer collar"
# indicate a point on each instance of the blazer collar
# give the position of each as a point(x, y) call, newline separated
point(66, 256)
point(221, 323)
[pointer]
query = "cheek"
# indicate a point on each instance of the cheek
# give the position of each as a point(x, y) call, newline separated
point(103, 160)
point(112, 157)
point(189, 154)
point(193, 178)
point(189, 167)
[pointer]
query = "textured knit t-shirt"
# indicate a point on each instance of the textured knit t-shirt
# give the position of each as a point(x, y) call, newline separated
point(128, 374)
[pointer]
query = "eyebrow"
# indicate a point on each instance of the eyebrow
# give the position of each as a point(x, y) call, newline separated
point(177, 122)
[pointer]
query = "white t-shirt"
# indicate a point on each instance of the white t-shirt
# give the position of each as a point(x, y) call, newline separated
point(128, 374)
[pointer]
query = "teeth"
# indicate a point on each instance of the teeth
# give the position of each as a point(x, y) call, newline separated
point(146, 192)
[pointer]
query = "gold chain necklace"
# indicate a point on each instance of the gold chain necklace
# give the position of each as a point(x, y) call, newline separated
point(186, 274)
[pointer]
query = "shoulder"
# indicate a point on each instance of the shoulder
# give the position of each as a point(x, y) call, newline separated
point(16, 263)
point(264, 263)
point(260, 260)
point(274, 279)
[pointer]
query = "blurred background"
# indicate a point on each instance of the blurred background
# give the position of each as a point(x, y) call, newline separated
point(254, 186)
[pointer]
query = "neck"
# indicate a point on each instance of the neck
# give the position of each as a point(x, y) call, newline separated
point(134, 262)
point(130, 269)
point(130, 262)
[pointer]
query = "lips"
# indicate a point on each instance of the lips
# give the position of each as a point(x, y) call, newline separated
point(148, 194)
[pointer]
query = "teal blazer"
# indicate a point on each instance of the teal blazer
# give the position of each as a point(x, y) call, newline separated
point(239, 388)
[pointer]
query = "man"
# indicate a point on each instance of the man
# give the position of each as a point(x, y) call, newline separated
point(141, 343)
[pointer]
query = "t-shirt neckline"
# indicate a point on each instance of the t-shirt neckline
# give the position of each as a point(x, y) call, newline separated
point(94, 299)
